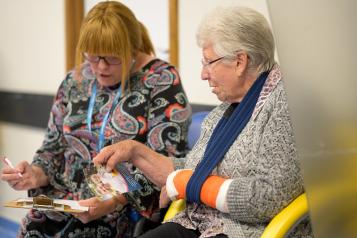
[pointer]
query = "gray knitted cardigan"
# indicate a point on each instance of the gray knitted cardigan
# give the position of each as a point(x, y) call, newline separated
point(262, 161)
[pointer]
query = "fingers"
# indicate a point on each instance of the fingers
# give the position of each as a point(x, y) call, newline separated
point(9, 174)
point(91, 202)
point(13, 184)
point(114, 154)
point(103, 155)
point(112, 161)
point(164, 199)
point(12, 177)
point(23, 166)
point(84, 217)
point(17, 182)
point(92, 213)
point(107, 156)
point(18, 185)
point(96, 208)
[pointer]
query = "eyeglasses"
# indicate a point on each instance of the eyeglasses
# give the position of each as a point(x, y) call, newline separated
point(111, 60)
point(208, 63)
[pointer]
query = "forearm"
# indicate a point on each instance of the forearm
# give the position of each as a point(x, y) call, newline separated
point(156, 167)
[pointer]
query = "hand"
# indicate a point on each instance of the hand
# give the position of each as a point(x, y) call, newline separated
point(31, 176)
point(116, 153)
point(156, 167)
point(97, 209)
point(164, 198)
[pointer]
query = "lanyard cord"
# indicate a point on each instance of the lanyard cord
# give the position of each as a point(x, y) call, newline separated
point(101, 138)
point(100, 143)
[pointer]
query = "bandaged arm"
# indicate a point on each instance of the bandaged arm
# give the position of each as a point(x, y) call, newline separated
point(213, 193)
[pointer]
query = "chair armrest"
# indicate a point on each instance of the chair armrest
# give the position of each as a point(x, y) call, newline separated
point(285, 220)
point(175, 207)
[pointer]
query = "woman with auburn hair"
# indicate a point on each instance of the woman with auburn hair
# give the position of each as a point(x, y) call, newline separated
point(118, 91)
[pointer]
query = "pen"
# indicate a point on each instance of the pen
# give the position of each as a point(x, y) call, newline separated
point(8, 162)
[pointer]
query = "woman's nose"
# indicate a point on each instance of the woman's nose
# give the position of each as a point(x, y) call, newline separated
point(102, 64)
point(204, 74)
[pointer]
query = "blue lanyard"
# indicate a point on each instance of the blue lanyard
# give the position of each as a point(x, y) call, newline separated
point(101, 138)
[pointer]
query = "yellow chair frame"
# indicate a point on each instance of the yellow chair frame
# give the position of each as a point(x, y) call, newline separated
point(287, 219)
point(278, 227)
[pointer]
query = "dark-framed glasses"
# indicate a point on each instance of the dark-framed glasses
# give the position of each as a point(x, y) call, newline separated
point(208, 63)
point(112, 60)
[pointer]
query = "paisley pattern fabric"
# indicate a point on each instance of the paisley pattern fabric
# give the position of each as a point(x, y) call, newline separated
point(153, 110)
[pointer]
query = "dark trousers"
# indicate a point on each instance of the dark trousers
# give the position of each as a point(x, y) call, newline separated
point(174, 230)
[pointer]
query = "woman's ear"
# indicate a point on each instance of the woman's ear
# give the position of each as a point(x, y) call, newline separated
point(242, 62)
point(242, 59)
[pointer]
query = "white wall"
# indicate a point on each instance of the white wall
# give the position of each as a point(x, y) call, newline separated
point(31, 45)
point(32, 59)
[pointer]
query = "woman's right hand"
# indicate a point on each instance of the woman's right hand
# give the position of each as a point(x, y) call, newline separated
point(156, 167)
point(32, 176)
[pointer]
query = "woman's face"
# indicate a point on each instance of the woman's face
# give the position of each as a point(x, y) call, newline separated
point(223, 76)
point(107, 69)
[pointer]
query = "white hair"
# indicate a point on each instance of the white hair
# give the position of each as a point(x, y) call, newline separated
point(232, 29)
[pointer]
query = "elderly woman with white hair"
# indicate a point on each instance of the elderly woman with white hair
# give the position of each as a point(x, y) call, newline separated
point(244, 168)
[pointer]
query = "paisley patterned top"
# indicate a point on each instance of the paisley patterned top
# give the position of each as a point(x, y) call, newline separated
point(153, 110)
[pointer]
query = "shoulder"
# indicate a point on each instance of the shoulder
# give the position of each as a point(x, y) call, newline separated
point(77, 82)
point(278, 98)
point(276, 105)
point(161, 68)
point(274, 88)
point(159, 72)
point(272, 91)
point(81, 73)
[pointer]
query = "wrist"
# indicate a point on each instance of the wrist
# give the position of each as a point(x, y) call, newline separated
point(137, 152)
point(40, 179)
point(119, 202)
point(134, 150)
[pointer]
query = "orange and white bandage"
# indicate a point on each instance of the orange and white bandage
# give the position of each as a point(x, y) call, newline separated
point(213, 193)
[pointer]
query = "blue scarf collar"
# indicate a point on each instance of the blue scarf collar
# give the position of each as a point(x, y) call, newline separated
point(223, 136)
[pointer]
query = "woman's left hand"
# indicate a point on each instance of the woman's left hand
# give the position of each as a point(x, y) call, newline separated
point(164, 198)
point(97, 209)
